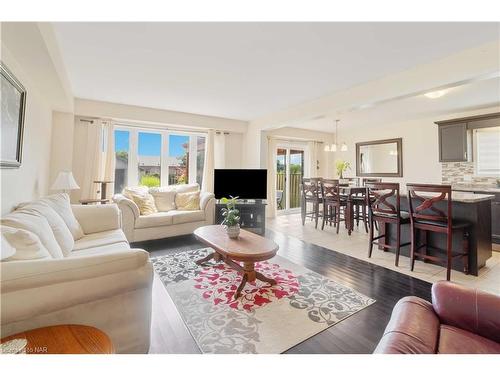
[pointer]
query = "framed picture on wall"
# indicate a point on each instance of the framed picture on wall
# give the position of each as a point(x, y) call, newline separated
point(13, 103)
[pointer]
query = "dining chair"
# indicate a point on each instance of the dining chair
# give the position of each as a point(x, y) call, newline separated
point(431, 211)
point(333, 203)
point(311, 193)
point(383, 202)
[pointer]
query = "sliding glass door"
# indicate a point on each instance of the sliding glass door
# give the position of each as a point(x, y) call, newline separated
point(289, 173)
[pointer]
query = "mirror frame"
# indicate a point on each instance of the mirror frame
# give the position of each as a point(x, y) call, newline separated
point(399, 145)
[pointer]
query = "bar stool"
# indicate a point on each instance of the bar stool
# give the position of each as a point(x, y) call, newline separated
point(425, 216)
point(360, 205)
point(311, 193)
point(332, 203)
point(385, 212)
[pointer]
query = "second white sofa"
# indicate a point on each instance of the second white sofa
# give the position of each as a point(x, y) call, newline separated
point(171, 223)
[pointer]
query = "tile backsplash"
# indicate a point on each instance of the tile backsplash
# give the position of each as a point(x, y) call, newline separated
point(463, 173)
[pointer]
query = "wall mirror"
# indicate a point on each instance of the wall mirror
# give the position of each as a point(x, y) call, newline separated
point(383, 158)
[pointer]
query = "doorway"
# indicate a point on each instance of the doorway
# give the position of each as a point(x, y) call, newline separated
point(289, 173)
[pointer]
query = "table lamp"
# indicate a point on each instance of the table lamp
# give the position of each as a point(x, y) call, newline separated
point(65, 182)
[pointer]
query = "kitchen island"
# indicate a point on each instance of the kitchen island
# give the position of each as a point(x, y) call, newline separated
point(466, 206)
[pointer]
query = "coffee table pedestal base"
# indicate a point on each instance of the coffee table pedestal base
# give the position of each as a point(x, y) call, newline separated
point(248, 271)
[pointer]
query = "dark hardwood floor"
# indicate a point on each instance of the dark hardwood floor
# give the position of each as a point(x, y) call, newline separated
point(359, 333)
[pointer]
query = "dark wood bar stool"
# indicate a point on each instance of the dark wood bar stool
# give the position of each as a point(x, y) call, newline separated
point(361, 202)
point(333, 203)
point(311, 193)
point(425, 216)
point(360, 207)
point(385, 212)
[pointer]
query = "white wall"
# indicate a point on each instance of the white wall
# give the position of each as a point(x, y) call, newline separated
point(24, 51)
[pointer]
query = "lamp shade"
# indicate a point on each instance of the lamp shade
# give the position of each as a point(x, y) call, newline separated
point(65, 181)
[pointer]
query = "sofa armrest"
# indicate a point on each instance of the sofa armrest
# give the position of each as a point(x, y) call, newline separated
point(130, 213)
point(413, 329)
point(33, 289)
point(207, 204)
point(19, 275)
point(466, 308)
point(205, 198)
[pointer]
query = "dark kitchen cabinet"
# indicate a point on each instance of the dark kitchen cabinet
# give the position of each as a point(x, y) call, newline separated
point(453, 142)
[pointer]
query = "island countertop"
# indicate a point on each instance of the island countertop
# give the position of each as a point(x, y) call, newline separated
point(467, 197)
point(476, 188)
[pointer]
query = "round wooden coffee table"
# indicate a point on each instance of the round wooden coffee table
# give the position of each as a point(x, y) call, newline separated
point(248, 248)
point(65, 339)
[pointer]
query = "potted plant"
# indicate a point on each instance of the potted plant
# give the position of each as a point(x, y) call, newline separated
point(231, 217)
point(342, 166)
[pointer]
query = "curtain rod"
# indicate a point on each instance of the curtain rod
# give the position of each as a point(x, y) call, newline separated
point(291, 140)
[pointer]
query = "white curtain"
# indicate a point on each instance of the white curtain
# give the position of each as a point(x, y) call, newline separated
point(99, 159)
point(220, 150)
point(312, 160)
point(108, 170)
point(271, 177)
point(208, 166)
point(93, 160)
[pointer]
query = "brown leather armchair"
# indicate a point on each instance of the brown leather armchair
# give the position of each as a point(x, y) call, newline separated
point(460, 320)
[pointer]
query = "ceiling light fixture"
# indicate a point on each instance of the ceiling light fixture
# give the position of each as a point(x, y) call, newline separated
point(435, 94)
point(333, 146)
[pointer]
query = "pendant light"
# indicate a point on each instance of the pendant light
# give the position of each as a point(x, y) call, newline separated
point(333, 146)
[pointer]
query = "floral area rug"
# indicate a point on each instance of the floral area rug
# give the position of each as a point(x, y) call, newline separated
point(265, 319)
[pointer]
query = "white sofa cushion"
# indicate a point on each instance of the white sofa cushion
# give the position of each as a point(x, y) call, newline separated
point(102, 249)
point(141, 197)
point(158, 219)
point(61, 204)
point(100, 239)
point(37, 224)
point(186, 188)
point(61, 231)
point(26, 245)
point(164, 198)
point(180, 217)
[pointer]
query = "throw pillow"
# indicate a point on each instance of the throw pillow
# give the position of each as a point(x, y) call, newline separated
point(186, 188)
point(141, 197)
point(61, 204)
point(188, 201)
point(164, 198)
point(36, 224)
point(61, 231)
point(27, 245)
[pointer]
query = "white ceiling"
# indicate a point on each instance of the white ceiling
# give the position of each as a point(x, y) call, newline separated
point(474, 95)
point(247, 70)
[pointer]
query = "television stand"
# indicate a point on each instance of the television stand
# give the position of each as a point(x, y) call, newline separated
point(252, 214)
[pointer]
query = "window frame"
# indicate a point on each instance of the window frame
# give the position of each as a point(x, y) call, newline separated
point(475, 152)
point(133, 153)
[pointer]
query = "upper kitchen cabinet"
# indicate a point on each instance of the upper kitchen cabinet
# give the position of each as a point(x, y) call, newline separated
point(453, 142)
point(453, 135)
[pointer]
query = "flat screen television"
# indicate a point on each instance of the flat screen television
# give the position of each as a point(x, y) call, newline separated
point(241, 183)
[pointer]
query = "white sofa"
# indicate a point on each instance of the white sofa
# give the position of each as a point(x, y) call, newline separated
point(171, 223)
point(100, 282)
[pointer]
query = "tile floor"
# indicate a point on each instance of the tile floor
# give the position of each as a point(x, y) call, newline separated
point(356, 246)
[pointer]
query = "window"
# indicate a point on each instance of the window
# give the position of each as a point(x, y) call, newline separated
point(487, 151)
point(157, 158)
point(149, 159)
point(178, 159)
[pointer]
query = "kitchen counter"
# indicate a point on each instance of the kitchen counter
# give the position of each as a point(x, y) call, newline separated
point(469, 197)
point(474, 209)
point(476, 188)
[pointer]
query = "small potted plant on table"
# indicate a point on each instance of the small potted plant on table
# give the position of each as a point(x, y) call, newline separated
point(231, 217)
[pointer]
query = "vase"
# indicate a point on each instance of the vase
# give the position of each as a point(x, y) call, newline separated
point(233, 231)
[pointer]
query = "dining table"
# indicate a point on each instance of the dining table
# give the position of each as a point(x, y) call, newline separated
point(350, 191)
